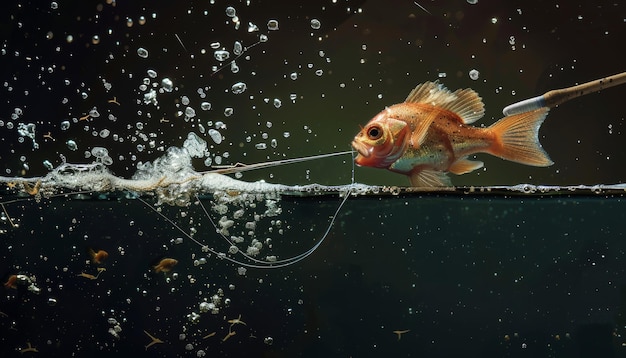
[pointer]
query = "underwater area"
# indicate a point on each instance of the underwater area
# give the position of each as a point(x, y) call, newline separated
point(177, 179)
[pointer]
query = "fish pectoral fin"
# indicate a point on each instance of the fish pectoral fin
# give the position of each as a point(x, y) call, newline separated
point(429, 178)
point(421, 129)
point(418, 135)
point(464, 165)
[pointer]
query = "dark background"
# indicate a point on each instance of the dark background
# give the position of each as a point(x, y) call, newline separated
point(371, 54)
point(478, 276)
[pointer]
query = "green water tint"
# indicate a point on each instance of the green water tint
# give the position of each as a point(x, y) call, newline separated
point(497, 270)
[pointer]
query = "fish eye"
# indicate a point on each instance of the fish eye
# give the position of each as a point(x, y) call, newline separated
point(374, 132)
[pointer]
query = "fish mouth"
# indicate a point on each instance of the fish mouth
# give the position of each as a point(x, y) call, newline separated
point(361, 148)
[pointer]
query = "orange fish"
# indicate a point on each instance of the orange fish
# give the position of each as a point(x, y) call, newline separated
point(97, 257)
point(429, 135)
point(165, 265)
point(11, 282)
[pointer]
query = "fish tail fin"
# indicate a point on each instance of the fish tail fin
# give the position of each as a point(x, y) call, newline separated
point(517, 138)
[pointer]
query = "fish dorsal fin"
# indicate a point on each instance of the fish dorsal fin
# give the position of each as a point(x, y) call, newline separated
point(464, 102)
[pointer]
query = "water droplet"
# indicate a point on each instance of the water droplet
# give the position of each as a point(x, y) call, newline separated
point(190, 112)
point(277, 103)
point(221, 55)
point(315, 24)
point(205, 106)
point(230, 11)
point(238, 88)
point(473, 74)
point(71, 145)
point(272, 25)
point(252, 27)
point(216, 136)
point(99, 152)
point(142, 52)
point(237, 48)
point(167, 85)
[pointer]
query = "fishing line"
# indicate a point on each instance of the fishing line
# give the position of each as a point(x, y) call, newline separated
point(240, 167)
point(254, 262)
